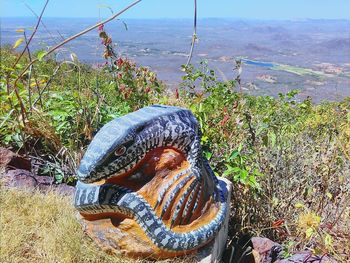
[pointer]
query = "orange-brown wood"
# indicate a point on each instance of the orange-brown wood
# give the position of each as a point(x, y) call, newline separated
point(157, 168)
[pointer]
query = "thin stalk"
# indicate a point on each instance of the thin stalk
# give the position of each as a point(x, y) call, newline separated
point(23, 110)
point(31, 70)
point(194, 35)
point(42, 23)
point(32, 35)
point(47, 84)
point(28, 87)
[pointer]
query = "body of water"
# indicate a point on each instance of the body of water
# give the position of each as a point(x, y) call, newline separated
point(258, 63)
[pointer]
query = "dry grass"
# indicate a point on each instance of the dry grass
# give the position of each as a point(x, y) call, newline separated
point(37, 227)
point(43, 228)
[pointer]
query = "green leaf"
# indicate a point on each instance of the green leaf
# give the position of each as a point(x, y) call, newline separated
point(309, 232)
point(272, 138)
point(236, 169)
point(41, 54)
point(265, 140)
point(328, 240)
point(236, 178)
point(299, 205)
point(252, 180)
point(59, 177)
point(244, 175)
point(19, 66)
point(208, 155)
point(227, 172)
point(233, 155)
point(205, 139)
point(18, 42)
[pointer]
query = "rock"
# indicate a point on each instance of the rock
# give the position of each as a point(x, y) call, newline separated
point(307, 257)
point(262, 244)
point(11, 160)
point(25, 180)
point(19, 179)
point(262, 250)
point(44, 180)
point(17, 174)
point(265, 250)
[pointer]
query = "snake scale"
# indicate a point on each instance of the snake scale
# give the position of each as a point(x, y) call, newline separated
point(121, 145)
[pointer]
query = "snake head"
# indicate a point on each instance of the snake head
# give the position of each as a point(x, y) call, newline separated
point(109, 153)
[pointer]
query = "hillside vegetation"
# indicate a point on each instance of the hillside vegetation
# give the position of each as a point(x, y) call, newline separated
point(289, 161)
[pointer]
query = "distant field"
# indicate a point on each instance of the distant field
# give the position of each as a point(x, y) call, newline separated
point(310, 55)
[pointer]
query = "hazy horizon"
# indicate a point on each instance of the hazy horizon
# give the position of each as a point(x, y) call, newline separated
point(183, 18)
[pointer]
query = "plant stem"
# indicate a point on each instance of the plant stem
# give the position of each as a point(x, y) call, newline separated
point(32, 35)
point(31, 70)
point(194, 36)
point(23, 110)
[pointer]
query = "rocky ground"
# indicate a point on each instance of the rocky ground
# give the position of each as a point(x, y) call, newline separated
point(17, 173)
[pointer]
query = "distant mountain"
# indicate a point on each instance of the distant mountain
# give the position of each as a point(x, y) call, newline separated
point(255, 47)
point(337, 43)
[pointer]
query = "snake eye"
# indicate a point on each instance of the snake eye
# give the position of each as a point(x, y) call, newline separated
point(120, 151)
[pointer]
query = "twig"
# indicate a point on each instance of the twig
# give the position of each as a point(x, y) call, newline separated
point(31, 70)
point(49, 81)
point(47, 84)
point(23, 110)
point(75, 36)
point(7, 117)
point(194, 36)
point(32, 35)
point(42, 23)
point(29, 89)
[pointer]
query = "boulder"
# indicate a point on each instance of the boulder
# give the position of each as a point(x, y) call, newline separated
point(25, 180)
point(11, 160)
point(19, 178)
point(265, 250)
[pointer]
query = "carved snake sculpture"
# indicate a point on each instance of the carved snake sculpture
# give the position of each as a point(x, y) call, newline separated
point(121, 145)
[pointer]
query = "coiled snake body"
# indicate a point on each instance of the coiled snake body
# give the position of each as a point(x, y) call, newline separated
point(121, 145)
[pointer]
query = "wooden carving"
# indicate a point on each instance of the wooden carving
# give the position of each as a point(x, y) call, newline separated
point(145, 173)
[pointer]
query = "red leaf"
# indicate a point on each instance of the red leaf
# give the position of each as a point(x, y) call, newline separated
point(278, 223)
point(100, 28)
point(176, 93)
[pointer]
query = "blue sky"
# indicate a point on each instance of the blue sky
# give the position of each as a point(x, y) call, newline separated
point(252, 9)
